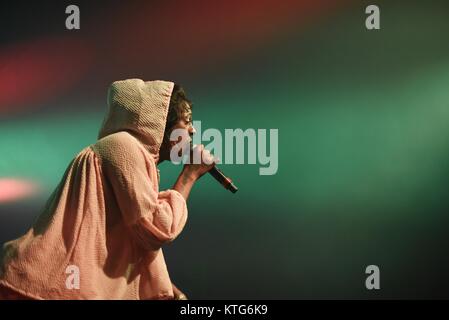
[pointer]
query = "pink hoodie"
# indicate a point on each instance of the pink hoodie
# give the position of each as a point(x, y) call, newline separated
point(107, 218)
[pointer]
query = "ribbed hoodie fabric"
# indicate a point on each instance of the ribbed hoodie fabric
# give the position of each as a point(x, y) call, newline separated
point(101, 232)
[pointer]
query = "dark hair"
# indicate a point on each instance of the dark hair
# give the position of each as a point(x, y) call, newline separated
point(179, 107)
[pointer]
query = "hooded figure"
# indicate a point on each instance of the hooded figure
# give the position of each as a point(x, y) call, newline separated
point(101, 231)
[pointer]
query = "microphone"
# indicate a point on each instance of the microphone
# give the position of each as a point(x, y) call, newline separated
point(222, 179)
point(219, 176)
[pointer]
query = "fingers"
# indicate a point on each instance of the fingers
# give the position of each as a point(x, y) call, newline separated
point(182, 296)
point(206, 157)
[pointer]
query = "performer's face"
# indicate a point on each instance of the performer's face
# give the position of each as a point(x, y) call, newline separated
point(184, 124)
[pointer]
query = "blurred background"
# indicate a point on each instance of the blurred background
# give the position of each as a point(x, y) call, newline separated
point(363, 119)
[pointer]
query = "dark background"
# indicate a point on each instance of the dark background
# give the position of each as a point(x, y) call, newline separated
point(363, 119)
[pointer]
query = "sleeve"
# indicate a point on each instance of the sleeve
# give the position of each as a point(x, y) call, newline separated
point(154, 218)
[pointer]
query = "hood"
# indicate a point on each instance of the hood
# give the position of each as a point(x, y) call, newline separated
point(140, 108)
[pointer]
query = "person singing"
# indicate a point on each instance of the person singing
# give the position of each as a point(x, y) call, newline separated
point(100, 234)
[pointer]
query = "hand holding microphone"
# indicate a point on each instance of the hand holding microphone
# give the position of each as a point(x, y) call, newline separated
point(208, 164)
